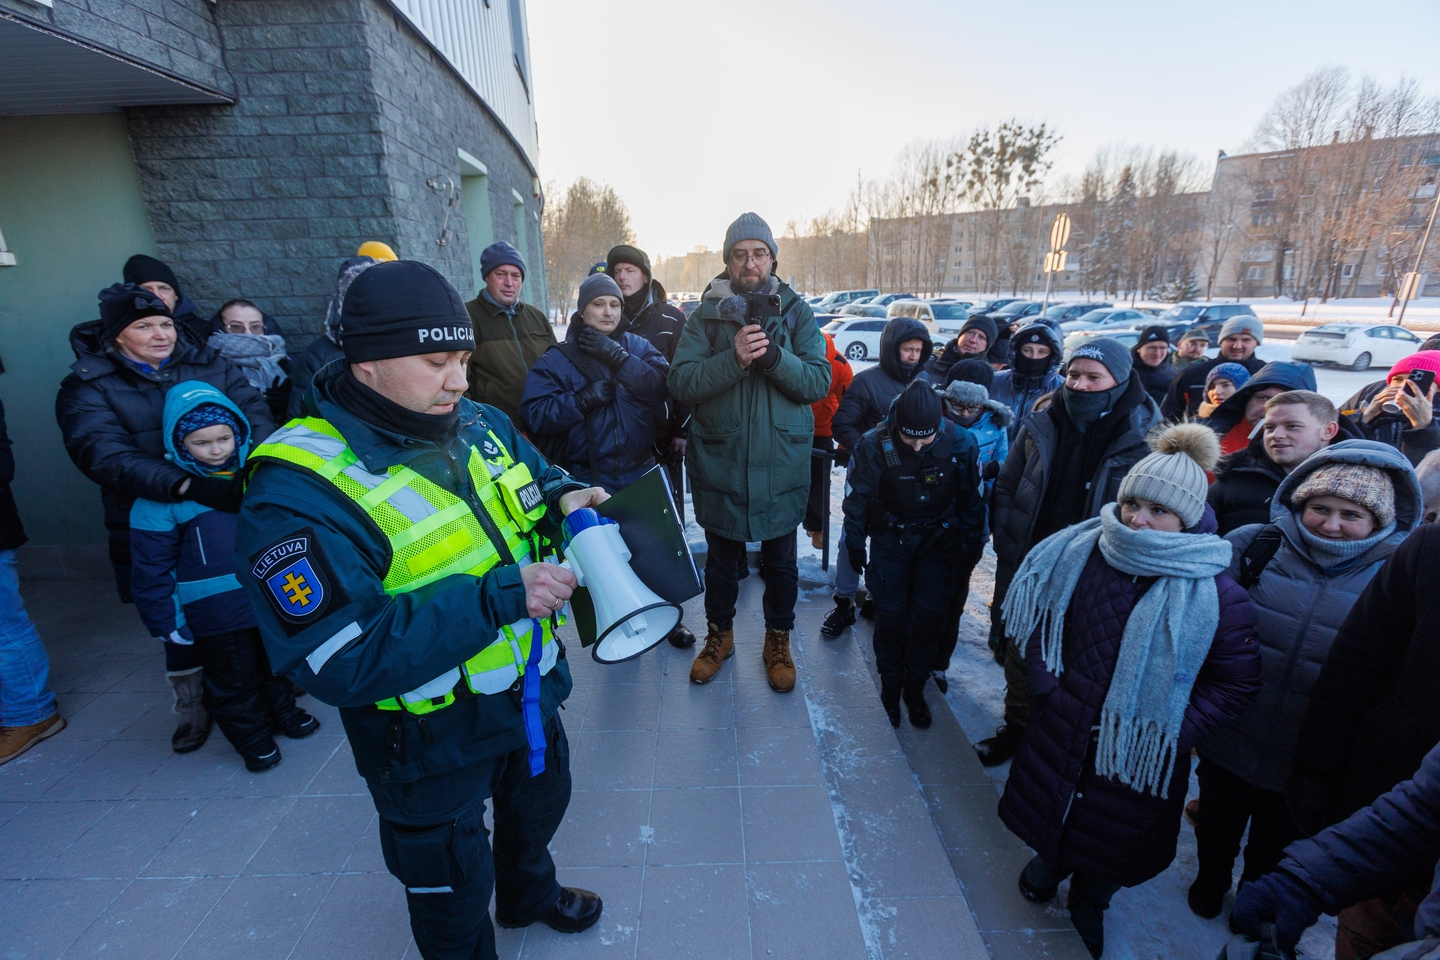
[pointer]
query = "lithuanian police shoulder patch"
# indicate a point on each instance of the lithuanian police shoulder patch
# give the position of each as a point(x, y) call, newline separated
point(297, 587)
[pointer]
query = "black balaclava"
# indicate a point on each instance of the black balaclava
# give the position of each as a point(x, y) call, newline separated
point(1025, 366)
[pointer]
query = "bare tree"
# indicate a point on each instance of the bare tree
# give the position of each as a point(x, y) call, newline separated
point(998, 169)
point(580, 228)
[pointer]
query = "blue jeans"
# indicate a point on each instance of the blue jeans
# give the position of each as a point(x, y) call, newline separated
point(25, 694)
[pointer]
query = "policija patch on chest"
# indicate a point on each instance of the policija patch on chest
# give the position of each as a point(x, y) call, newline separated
point(294, 576)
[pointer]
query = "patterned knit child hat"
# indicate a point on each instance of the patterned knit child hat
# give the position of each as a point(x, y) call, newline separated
point(1174, 474)
point(1370, 487)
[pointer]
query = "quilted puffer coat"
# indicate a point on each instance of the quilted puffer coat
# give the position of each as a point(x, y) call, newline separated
point(1300, 607)
point(1054, 800)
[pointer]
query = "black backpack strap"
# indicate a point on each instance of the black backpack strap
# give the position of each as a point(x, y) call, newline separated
point(1260, 552)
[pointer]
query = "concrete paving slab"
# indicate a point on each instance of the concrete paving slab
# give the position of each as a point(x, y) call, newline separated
point(122, 842)
point(150, 918)
point(258, 918)
point(42, 918)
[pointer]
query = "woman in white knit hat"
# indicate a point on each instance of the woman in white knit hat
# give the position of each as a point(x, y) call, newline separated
point(1138, 646)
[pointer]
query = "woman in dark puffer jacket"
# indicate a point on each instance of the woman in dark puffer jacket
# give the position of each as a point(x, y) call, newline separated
point(111, 411)
point(1139, 646)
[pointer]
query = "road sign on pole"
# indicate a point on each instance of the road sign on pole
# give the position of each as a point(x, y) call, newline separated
point(1059, 232)
point(1055, 259)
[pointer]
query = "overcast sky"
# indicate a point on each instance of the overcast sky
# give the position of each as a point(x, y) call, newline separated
point(698, 111)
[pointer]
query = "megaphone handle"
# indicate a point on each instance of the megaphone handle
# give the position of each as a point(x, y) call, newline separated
point(579, 576)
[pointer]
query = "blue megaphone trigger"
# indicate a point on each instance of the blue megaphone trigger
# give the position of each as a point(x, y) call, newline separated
point(582, 520)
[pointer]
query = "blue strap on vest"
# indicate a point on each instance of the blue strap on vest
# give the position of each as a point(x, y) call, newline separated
point(530, 703)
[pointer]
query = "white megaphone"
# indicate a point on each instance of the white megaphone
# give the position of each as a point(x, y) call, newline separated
point(630, 618)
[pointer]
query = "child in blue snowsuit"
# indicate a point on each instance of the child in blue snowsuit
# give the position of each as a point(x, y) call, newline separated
point(187, 594)
point(968, 403)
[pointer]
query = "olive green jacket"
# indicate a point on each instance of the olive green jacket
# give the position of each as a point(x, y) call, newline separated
point(749, 447)
point(505, 350)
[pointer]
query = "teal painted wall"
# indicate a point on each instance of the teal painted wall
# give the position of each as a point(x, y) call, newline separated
point(72, 213)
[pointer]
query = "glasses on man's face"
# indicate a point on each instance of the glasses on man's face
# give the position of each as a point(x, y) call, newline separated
point(966, 412)
point(740, 257)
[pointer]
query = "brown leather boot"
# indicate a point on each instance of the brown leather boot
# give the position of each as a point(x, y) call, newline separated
point(719, 645)
point(16, 740)
point(779, 668)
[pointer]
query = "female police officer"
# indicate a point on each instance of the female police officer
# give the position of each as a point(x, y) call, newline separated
point(914, 489)
point(387, 542)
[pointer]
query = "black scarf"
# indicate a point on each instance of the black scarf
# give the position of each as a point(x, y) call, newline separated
point(1077, 459)
point(386, 414)
point(636, 303)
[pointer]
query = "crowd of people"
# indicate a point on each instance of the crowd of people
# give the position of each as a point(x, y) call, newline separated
point(1195, 558)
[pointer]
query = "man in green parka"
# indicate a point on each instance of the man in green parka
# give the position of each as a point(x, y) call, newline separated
point(750, 380)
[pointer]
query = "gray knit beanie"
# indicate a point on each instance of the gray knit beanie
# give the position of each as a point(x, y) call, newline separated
point(749, 226)
point(1174, 474)
point(1370, 487)
point(1244, 323)
point(598, 285)
point(1112, 353)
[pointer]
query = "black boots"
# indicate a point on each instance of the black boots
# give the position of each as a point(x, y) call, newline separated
point(1001, 747)
point(915, 702)
point(681, 636)
point(890, 698)
point(838, 619)
point(1206, 896)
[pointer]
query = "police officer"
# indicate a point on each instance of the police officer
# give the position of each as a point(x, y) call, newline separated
point(914, 490)
point(388, 542)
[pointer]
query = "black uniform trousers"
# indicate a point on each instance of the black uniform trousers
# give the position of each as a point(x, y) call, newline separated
point(910, 577)
point(950, 631)
point(817, 506)
point(433, 835)
point(1227, 803)
point(242, 693)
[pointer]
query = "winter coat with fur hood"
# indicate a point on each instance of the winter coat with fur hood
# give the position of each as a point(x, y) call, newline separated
point(1300, 607)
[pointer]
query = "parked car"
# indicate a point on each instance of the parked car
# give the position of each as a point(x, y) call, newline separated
point(1061, 312)
point(837, 299)
point(990, 305)
point(1113, 316)
point(884, 300)
point(1129, 336)
point(1358, 346)
point(947, 316)
point(861, 309)
point(688, 306)
point(858, 338)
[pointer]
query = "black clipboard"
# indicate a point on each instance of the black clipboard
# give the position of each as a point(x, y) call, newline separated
point(659, 553)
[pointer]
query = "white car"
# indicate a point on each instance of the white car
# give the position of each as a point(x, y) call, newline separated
point(945, 316)
point(857, 338)
point(1358, 346)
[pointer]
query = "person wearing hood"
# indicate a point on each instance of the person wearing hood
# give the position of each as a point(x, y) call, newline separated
point(1292, 426)
point(976, 337)
point(650, 314)
point(157, 277)
point(968, 405)
point(1035, 354)
point(904, 346)
point(1064, 464)
point(1334, 521)
point(414, 569)
point(1239, 337)
point(110, 409)
point(594, 396)
point(914, 491)
point(1236, 418)
point(187, 594)
point(510, 335)
point(326, 347)
point(243, 336)
point(1411, 424)
point(1151, 359)
point(750, 384)
point(1139, 646)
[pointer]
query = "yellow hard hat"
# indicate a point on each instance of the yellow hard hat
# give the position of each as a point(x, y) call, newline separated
point(376, 250)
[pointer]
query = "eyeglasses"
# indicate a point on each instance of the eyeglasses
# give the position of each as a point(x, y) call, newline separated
point(963, 411)
point(740, 256)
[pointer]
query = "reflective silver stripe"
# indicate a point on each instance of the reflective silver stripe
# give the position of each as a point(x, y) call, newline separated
point(549, 654)
point(311, 441)
point(321, 655)
point(438, 687)
point(411, 504)
point(364, 477)
point(430, 889)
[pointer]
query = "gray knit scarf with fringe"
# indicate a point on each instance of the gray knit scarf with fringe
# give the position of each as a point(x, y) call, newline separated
point(1166, 637)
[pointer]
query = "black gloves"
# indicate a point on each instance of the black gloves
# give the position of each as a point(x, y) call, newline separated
point(991, 471)
point(1312, 800)
point(601, 347)
point(857, 558)
point(1277, 898)
point(215, 493)
point(596, 394)
point(770, 357)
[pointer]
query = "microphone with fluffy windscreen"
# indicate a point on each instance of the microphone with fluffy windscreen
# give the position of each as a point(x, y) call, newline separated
point(733, 307)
